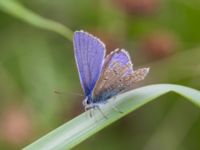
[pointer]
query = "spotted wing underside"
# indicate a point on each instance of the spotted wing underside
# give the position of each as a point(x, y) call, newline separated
point(117, 76)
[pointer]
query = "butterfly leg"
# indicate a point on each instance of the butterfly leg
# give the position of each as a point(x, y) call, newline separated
point(89, 111)
point(114, 107)
point(98, 108)
point(117, 109)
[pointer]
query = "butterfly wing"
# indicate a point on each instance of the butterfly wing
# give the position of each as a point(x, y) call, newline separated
point(130, 80)
point(115, 65)
point(89, 55)
point(117, 76)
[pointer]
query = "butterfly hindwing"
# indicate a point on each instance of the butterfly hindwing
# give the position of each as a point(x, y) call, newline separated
point(116, 66)
point(89, 55)
point(117, 76)
point(130, 80)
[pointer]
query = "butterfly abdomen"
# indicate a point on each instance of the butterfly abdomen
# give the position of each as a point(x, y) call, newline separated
point(105, 95)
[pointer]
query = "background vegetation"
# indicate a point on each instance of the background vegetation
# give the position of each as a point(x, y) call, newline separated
point(162, 34)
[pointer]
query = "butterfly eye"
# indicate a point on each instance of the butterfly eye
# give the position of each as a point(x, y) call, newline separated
point(87, 102)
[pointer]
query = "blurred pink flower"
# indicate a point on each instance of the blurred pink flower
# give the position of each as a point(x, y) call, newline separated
point(159, 44)
point(15, 125)
point(138, 7)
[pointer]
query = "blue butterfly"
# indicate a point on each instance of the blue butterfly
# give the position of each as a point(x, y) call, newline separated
point(103, 77)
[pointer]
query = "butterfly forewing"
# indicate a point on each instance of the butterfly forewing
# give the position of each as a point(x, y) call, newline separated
point(89, 55)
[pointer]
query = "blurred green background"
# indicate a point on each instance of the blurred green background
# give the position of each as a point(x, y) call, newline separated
point(34, 63)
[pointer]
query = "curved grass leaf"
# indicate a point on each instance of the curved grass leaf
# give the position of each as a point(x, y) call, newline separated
point(82, 127)
point(17, 10)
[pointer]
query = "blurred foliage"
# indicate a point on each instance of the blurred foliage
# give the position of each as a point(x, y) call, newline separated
point(34, 63)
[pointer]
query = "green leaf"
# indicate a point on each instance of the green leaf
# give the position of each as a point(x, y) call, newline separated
point(82, 127)
point(15, 9)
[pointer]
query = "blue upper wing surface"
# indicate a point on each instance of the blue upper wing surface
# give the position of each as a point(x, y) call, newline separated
point(89, 55)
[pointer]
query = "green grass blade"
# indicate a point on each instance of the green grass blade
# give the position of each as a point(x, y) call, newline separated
point(82, 127)
point(15, 9)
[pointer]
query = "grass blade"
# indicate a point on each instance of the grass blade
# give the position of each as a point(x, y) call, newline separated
point(17, 10)
point(82, 127)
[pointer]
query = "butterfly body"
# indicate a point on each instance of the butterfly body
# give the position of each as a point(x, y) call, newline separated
point(103, 77)
point(101, 98)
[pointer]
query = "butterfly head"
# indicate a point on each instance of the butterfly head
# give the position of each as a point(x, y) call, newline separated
point(87, 102)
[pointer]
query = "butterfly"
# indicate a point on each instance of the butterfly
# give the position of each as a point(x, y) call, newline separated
point(103, 77)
